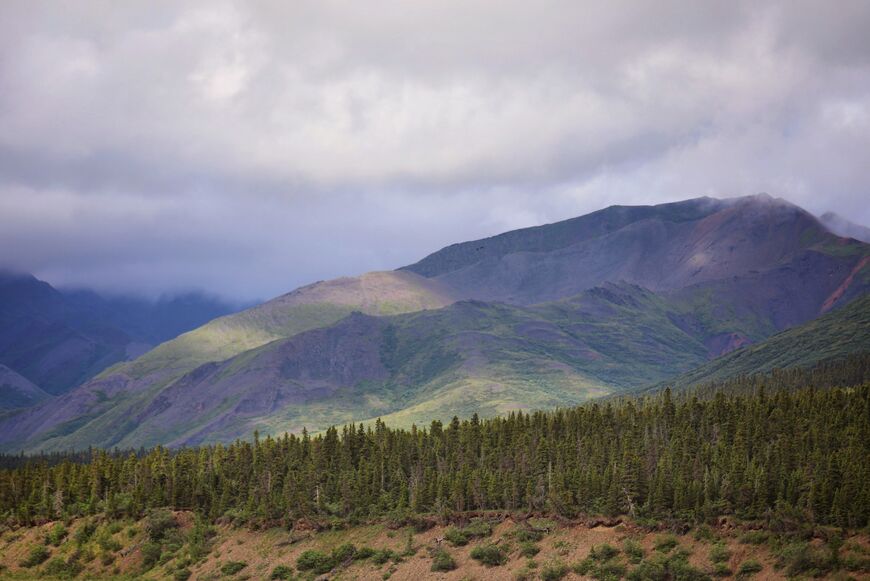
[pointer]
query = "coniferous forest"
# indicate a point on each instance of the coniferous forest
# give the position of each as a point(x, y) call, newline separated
point(762, 454)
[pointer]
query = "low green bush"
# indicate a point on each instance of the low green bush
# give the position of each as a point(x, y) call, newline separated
point(381, 556)
point(719, 553)
point(316, 561)
point(754, 537)
point(158, 522)
point(182, 574)
point(233, 567)
point(343, 553)
point(56, 534)
point(529, 549)
point(704, 533)
point(283, 572)
point(363, 553)
point(57, 567)
point(84, 533)
point(37, 556)
point(489, 555)
point(529, 535)
point(553, 571)
point(603, 552)
point(665, 543)
point(633, 551)
point(583, 567)
point(721, 570)
point(748, 569)
point(151, 552)
point(442, 561)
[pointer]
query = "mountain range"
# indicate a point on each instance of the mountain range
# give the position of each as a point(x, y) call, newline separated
point(53, 340)
point(534, 318)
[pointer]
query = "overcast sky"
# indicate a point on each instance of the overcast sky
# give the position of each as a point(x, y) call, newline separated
point(247, 148)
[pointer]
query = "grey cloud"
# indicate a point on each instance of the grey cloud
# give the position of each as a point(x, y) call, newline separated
point(250, 147)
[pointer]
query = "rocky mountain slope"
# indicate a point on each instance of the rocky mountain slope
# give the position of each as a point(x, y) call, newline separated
point(697, 278)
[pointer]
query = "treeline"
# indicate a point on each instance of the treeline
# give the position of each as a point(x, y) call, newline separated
point(853, 369)
point(799, 454)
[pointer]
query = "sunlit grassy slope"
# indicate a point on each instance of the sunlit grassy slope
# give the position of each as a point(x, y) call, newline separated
point(310, 307)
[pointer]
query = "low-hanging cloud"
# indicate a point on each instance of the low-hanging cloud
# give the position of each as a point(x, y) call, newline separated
point(250, 147)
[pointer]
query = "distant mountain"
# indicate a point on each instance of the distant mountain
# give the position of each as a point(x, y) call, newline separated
point(17, 391)
point(471, 356)
point(57, 339)
point(530, 318)
point(843, 227)
point(836, 335)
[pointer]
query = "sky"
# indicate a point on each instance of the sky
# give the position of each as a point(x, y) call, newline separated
point(247, 148)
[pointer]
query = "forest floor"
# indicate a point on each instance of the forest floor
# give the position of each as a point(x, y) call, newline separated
point(118, 550)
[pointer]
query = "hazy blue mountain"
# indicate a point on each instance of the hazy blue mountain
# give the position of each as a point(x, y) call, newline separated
point(57, 339)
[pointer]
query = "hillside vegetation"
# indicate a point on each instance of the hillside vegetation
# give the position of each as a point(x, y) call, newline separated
point(835, 335)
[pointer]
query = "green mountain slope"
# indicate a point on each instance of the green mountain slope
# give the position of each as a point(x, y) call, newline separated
point(843, 332)
point(471, 356)
point(316, 305)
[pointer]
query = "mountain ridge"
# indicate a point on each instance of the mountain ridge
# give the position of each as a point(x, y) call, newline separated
point(726, 272)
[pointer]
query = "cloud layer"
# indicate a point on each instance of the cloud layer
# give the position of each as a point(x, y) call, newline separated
point(250, 147)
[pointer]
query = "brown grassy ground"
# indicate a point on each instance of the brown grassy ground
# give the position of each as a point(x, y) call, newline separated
point(262, 551)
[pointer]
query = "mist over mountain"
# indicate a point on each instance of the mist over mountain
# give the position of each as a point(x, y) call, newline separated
point(843, 227)
point(538, 317)
point(58, 339)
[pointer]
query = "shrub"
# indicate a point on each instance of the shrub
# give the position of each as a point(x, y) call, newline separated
point(56, 534)
point(158, 522)
point(680, 570)
point(363, 553)
point(633, 551)
point(478, 529)
point(665, 543)
point(107, 543)
point(456, 537)
point(381, 556)
point(754, 537)
point(650, 570)
point(489, 555)
point(803, 558)
point(115, 527)
point(749, 568)
point(37, 556)
point(603, 552)
point(609, 570)
point(107, 559)
point(233, 567)
point(475, 530)
point(316, 561)
point(343, 553)
point(524, 574)
point(150, 554)
point(282, 572)
point(704, 533)
point(583, 567)
point(529, 549)
point(528, 535)
point(84, 533)
point(553, 571)
point(721, 570)
point(719, 553)
point(57, 567)
point(182, 574)
point(442, 561)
